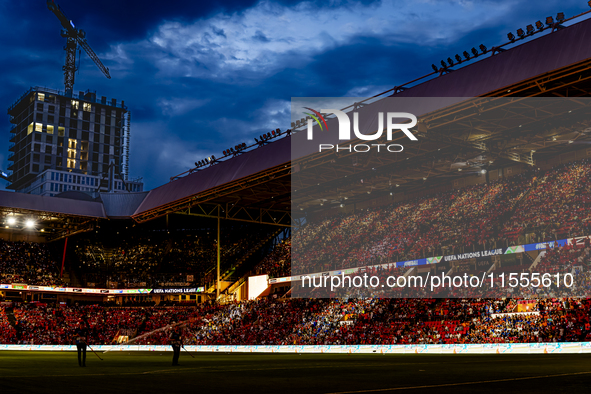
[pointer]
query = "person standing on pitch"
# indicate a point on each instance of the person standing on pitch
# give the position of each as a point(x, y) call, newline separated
point(81, 335)
point(176, 341)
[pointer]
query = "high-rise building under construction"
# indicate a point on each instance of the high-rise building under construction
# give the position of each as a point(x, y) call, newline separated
point(65, 142)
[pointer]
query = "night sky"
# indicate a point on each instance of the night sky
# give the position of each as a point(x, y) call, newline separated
point(201, 76)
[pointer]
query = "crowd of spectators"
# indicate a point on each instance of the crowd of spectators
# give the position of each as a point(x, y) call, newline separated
point(557, 206)
point(542, 205)
point(7, 331)
point(277, 263)
point(310, 322)
point(28, 262)
point(159, 260)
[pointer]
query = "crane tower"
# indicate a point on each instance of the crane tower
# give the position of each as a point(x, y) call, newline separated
point(74, 38)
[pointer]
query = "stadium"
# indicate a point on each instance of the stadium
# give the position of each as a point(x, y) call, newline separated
point(240, 263)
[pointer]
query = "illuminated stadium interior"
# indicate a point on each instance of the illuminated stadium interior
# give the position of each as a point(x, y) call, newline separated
point(211, 251)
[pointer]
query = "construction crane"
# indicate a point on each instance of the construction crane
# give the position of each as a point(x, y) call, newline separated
point(74, 37)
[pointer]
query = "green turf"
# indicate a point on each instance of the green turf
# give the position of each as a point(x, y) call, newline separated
point(43, 372)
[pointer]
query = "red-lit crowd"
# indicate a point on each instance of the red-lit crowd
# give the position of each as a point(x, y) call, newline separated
point(309, 322)
point(278, 262)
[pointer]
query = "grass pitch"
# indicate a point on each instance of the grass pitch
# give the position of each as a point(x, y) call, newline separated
point(45, 372)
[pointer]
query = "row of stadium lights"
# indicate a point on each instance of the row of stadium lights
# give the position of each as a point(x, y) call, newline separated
point(12, 222)
point(539, 25)
point(529, 30)
point(459, 59)
point(237, 149)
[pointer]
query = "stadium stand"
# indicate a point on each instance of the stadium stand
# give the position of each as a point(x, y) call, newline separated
point(487, 215)
point(24, 262)
point(478, 217)
point(312, 321)
point(158, 259)
point(268, 320)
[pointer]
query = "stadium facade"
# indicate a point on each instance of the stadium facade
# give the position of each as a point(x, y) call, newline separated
point(60, 143)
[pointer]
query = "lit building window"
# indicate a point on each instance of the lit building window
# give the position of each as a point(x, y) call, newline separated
point(30, 128)
point(75, 104)
point(49, 129)
point(61, 131)
point(86, 107)
point(41, 96)
point(71, 163)
point(38, 127)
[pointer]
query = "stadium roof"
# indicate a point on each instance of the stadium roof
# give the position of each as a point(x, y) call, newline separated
point(121, 205)
point(258, 178)
point(65, 206)
point(54, 217)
